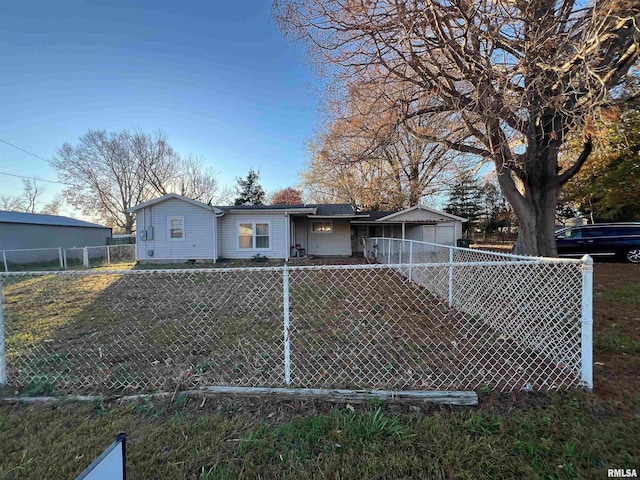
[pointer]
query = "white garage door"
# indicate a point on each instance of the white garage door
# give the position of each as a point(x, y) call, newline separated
point(442, 234)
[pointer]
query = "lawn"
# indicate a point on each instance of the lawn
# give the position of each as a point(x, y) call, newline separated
point(520, 435)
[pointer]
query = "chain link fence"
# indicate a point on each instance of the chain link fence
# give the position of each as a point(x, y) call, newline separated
point(505, 325)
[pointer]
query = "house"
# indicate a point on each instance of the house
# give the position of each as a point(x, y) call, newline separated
point(20, 230)
point(174, 227)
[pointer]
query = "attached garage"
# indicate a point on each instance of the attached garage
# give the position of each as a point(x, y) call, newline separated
point(416, 223)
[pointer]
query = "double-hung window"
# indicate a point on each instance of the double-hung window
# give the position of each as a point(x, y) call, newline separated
point(254, 235)
point(175, 227)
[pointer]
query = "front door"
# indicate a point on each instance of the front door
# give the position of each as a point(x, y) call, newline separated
point(358, 232)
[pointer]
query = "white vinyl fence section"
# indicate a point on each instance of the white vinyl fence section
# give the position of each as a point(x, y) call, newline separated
point(503, 324)
point(40, 259)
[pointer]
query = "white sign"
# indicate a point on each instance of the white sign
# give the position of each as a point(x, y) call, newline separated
point(110, 465)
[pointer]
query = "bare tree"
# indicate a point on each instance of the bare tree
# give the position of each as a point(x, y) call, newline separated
point(379, 159)
point(112, 172)
point(510, 79)
point(53, 207)
point(10, 203)
point(31, 193)
point(27, 201)
point(106, 176)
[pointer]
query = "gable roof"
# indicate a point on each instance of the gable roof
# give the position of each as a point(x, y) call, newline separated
point(42, 219)
point(240, 208)
point(375, 215)
point(315, 209)
point(175, 196)
point(334, 209)
point(427, 209)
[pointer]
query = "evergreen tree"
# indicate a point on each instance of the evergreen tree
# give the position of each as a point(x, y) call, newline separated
point(465, 200)
point(249, 191)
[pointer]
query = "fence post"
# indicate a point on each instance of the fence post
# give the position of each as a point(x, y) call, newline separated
point(60, 258)
point(287, 344)
point(64, 258)
point(389, 253)
point(108, 255)
point(587, 322)
point(410, 257)
point(3, 352)
point(450, 277)
point(85, 258)
point(4, 260)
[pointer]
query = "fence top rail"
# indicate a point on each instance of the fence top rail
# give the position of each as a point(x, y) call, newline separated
point(30, 249)
point(474, 250)
point(379, 266)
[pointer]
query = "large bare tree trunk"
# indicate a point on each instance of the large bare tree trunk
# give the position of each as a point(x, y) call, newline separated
point(534, 197)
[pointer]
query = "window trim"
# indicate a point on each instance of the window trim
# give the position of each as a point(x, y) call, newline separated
point(253, 224)
point(330, 222)
point(184, 230)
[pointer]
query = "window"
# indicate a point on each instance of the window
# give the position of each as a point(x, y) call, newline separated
point(253, 236)
point(175, 225)
point(575, 233)
point(322, 227)
point(592, 233)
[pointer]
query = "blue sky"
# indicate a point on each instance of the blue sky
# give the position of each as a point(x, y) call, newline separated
point(217, 77)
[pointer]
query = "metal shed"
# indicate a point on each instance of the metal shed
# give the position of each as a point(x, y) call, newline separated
point(32, 230)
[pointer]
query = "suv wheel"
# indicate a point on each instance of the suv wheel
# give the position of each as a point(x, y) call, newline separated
point(634, 255)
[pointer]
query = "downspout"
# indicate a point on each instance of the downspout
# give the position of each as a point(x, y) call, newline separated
point(287, 239)
point(215, 232)
point(215, 238)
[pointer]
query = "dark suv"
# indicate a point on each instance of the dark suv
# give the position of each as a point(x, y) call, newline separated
point(620, 240)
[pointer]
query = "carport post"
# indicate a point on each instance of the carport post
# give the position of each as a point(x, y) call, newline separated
point(4, 260)
point(3, 356)
point(64, 258)
point(389, 253)
point(60, 258)
point(586, 336)
point(287, 344)
point(85, 258)
point(450, 277)
point(108, 255)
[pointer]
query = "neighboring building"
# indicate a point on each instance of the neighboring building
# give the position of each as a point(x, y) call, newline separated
point(174, 227)
point(33, 230)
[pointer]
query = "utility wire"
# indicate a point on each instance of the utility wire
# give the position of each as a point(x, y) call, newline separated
point(25, 151)
point(31, 178)
point(36, 179)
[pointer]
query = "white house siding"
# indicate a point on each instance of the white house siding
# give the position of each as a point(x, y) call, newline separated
point(198, 227)
point(229, 234)
point(337, 242)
